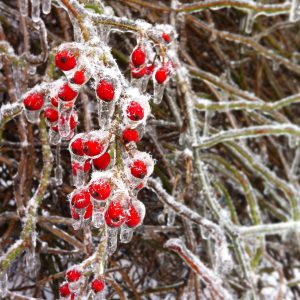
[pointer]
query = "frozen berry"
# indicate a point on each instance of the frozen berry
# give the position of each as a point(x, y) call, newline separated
point(130, 135)
point(161, 75)
point(100, 189)
point(102, 162)
point(166, 37)
point(77, 167)
point(140, 186)
point(81, 199)
point(138, 73)
point(134, 111)
point(87, 166)
point(150, 69)
point(66, 93)
point(88, 212)
point(73, 121)
point(51, 114)
point(34, 101)
point(138, 57)
point(54, 101)
point(138, 169)
point(77, 147)
point(73, 275)
point(115, 215)
point(97, 285)
point(65, 60)
point(105, 91)
point(92, 147)
point(79, 77)
point(132, 218)
point(64, 290)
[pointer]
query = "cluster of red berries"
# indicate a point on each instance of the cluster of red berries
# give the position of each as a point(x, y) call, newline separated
point(74, 282)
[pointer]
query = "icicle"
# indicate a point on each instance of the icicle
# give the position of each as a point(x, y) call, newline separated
point(58, 170)
point(78, 173)
point(24, 8)
point(78, 222)
point(158, 92)
point(98, 296)
point(171, 217)
point(126, 234)
point(54, 137)
point(112, 240)
point(46, 6)
point(98, 215)
point(3, 284)
point(293, 141)
point(32, 116)
point(35, 10)
point(249, 22)
point(65, 111)
point(294, 11)
point(205, 233)
point(32, 261)
point(105, 113)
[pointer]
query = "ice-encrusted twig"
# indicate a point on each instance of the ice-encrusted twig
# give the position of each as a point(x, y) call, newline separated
point(33, 204)
point(269, 229)
point(248, 132)
point(224, 106)
point(212, 281)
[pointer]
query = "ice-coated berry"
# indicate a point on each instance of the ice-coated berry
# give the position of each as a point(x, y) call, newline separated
point(81, 199)
point(64, 290)
point(115, 214)
point(73, 123)
point(87, 215)
point(138, 169)
point(92, 148)
point(161, 75)
point(130, 135)
point(138, 57)
point(65, 60)
point(66, 93)
point(51, 114)
point(102, 162)
point(77, 167)
point(78, 78)
point(105, 90)
point(100, 189)
point(134, 111)
point(150, 69)
point(97, 285)
point(138, 73)
point(166, 37)
point(77, 147)
point(132, 218)
point(54, 101)
point(34, 101)
point(73, 275)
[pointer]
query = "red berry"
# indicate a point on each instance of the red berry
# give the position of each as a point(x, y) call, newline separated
point(161, 75)
point(100, 189)
point(138, 73)
point(133, 218)
point(73, 121)
point(166, 37)
point(140, 186)
point(105, 91)
point(81, 199)
point(79, 77)
point(134, 111)
point(77, 147)
point(87, 166)
point(51, 114)
point(97, 285)
point(150, 69)
point(138, 57)
point(34, 101)
point(65, 60)
point(130, 135)
point(88, 212)
point(92, 147)
point(73, 275)
point(102, 162)
point(115, 215)
point(66, 93)
point(54, 101)
point(138, 169)
point(64, 290)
